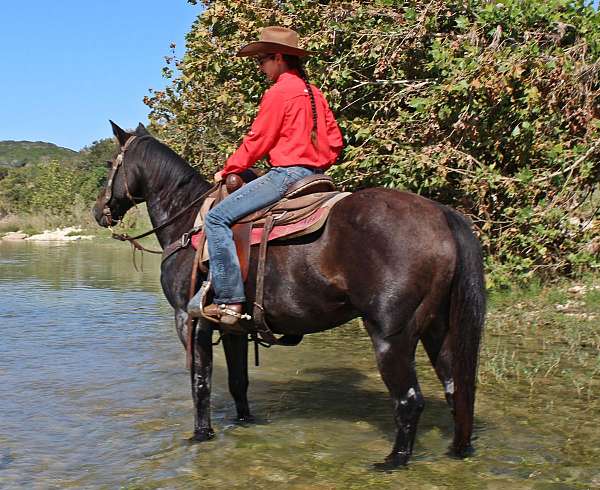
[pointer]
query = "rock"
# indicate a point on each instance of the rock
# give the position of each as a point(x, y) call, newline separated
point(15, 235)
point(569, 306)
point(577, 289)
point(59, 235)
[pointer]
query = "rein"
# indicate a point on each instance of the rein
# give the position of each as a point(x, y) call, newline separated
point(124, 237)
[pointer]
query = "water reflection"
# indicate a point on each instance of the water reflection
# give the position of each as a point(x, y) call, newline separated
point(94, 394)
point(60, 264)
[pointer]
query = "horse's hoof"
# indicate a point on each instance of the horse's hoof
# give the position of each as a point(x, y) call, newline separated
point(463, 452)
point(392, 462)
point(202, 435)
point(245, 419)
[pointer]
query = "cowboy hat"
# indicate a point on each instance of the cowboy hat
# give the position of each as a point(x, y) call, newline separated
point(274, 39)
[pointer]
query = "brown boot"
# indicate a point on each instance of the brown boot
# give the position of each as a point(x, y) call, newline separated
point(228, 316)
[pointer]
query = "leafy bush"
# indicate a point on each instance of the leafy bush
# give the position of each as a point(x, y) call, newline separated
point(489, 107)
point(51, 187)
point(57, 188)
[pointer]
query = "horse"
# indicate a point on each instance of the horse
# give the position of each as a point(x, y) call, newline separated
point(411, 268)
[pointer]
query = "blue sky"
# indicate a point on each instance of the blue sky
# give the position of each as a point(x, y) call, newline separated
point(69, 66)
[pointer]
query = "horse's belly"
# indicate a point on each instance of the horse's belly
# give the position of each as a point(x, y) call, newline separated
point(310, 323)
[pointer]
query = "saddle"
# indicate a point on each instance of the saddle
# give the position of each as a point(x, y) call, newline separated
point(303, 209)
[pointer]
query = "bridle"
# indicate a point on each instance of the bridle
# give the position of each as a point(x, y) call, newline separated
point(108, 192)
point(124, 237)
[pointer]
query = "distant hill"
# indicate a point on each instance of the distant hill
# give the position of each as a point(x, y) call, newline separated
point(20, 153)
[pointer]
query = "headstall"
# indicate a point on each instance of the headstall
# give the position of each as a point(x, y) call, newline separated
point(108, 192)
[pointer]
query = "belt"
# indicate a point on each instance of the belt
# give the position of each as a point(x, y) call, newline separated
point(314, 169)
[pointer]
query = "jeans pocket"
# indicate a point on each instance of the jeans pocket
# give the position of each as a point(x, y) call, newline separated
point(294, 174)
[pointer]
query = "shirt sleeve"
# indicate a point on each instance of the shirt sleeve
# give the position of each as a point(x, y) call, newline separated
point(262, 136)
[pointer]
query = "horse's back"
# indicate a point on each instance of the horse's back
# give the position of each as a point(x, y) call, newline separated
point(375, 209)
point(399, 231)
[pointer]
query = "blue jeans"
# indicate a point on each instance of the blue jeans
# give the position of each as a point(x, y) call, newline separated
point(224, 263)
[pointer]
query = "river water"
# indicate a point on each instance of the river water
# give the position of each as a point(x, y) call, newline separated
point(94, 394)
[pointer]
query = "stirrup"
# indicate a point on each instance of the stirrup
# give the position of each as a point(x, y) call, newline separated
point(195, 306)
point(227, 311)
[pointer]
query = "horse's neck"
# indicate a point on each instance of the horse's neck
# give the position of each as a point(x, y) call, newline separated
point(165, 199)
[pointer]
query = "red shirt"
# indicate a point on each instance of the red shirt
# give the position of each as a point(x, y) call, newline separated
point(282, 129)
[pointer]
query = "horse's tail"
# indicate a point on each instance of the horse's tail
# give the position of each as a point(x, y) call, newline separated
point(467, 313)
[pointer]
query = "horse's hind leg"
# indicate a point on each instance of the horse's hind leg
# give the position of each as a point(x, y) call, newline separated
point(396, 361)
point(236, 354)
point(437, 345)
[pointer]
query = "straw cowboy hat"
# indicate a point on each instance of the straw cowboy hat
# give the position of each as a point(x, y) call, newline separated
point(274, 40)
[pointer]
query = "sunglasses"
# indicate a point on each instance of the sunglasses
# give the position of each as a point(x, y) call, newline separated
point(261, 59)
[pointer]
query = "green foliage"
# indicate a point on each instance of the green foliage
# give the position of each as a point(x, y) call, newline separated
point(98, 153)
point(51, 187)
point(20, 153)
point(489, 107)
point(56, 186)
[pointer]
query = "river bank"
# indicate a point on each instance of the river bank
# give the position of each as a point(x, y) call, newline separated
point(76, 224)
point(67, 234)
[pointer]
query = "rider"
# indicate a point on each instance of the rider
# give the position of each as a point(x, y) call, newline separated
point(297, 129)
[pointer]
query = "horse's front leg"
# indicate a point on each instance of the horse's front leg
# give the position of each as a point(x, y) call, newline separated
point(201, 374)
point(236, 354)
point(181, 317)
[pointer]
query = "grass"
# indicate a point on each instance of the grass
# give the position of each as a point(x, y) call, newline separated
point(537, 334)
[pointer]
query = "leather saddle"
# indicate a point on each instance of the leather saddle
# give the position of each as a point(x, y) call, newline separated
point(300, 200)
point(303, 209)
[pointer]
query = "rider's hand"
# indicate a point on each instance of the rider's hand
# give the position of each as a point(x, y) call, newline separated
point(218, 176)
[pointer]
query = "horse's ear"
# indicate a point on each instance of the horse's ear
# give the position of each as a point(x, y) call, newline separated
point(121, 135)
point(141, 130)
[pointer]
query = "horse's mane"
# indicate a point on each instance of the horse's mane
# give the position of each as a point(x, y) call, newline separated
point(168, 167)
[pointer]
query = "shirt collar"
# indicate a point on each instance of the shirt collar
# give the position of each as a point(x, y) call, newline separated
point(288, 75)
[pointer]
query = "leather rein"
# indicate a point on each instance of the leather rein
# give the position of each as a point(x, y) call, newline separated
point(124, 237)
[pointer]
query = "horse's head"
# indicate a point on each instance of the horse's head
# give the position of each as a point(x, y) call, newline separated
point(123, 186)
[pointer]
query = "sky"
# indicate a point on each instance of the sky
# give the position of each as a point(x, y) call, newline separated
point(69, 66)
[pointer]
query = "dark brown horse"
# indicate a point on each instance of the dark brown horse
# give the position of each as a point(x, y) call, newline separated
point(409, 267)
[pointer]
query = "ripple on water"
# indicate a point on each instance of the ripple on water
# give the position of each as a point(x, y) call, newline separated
point(94, 394)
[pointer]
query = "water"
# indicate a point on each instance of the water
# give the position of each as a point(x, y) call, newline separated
point(94, 394)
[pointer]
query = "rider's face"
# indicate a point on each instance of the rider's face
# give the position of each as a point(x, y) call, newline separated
point(272, 65)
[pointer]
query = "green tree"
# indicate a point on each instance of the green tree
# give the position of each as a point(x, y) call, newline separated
point(50, 188)
point(56, 187)
point(489, 107)
point(93, 161)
